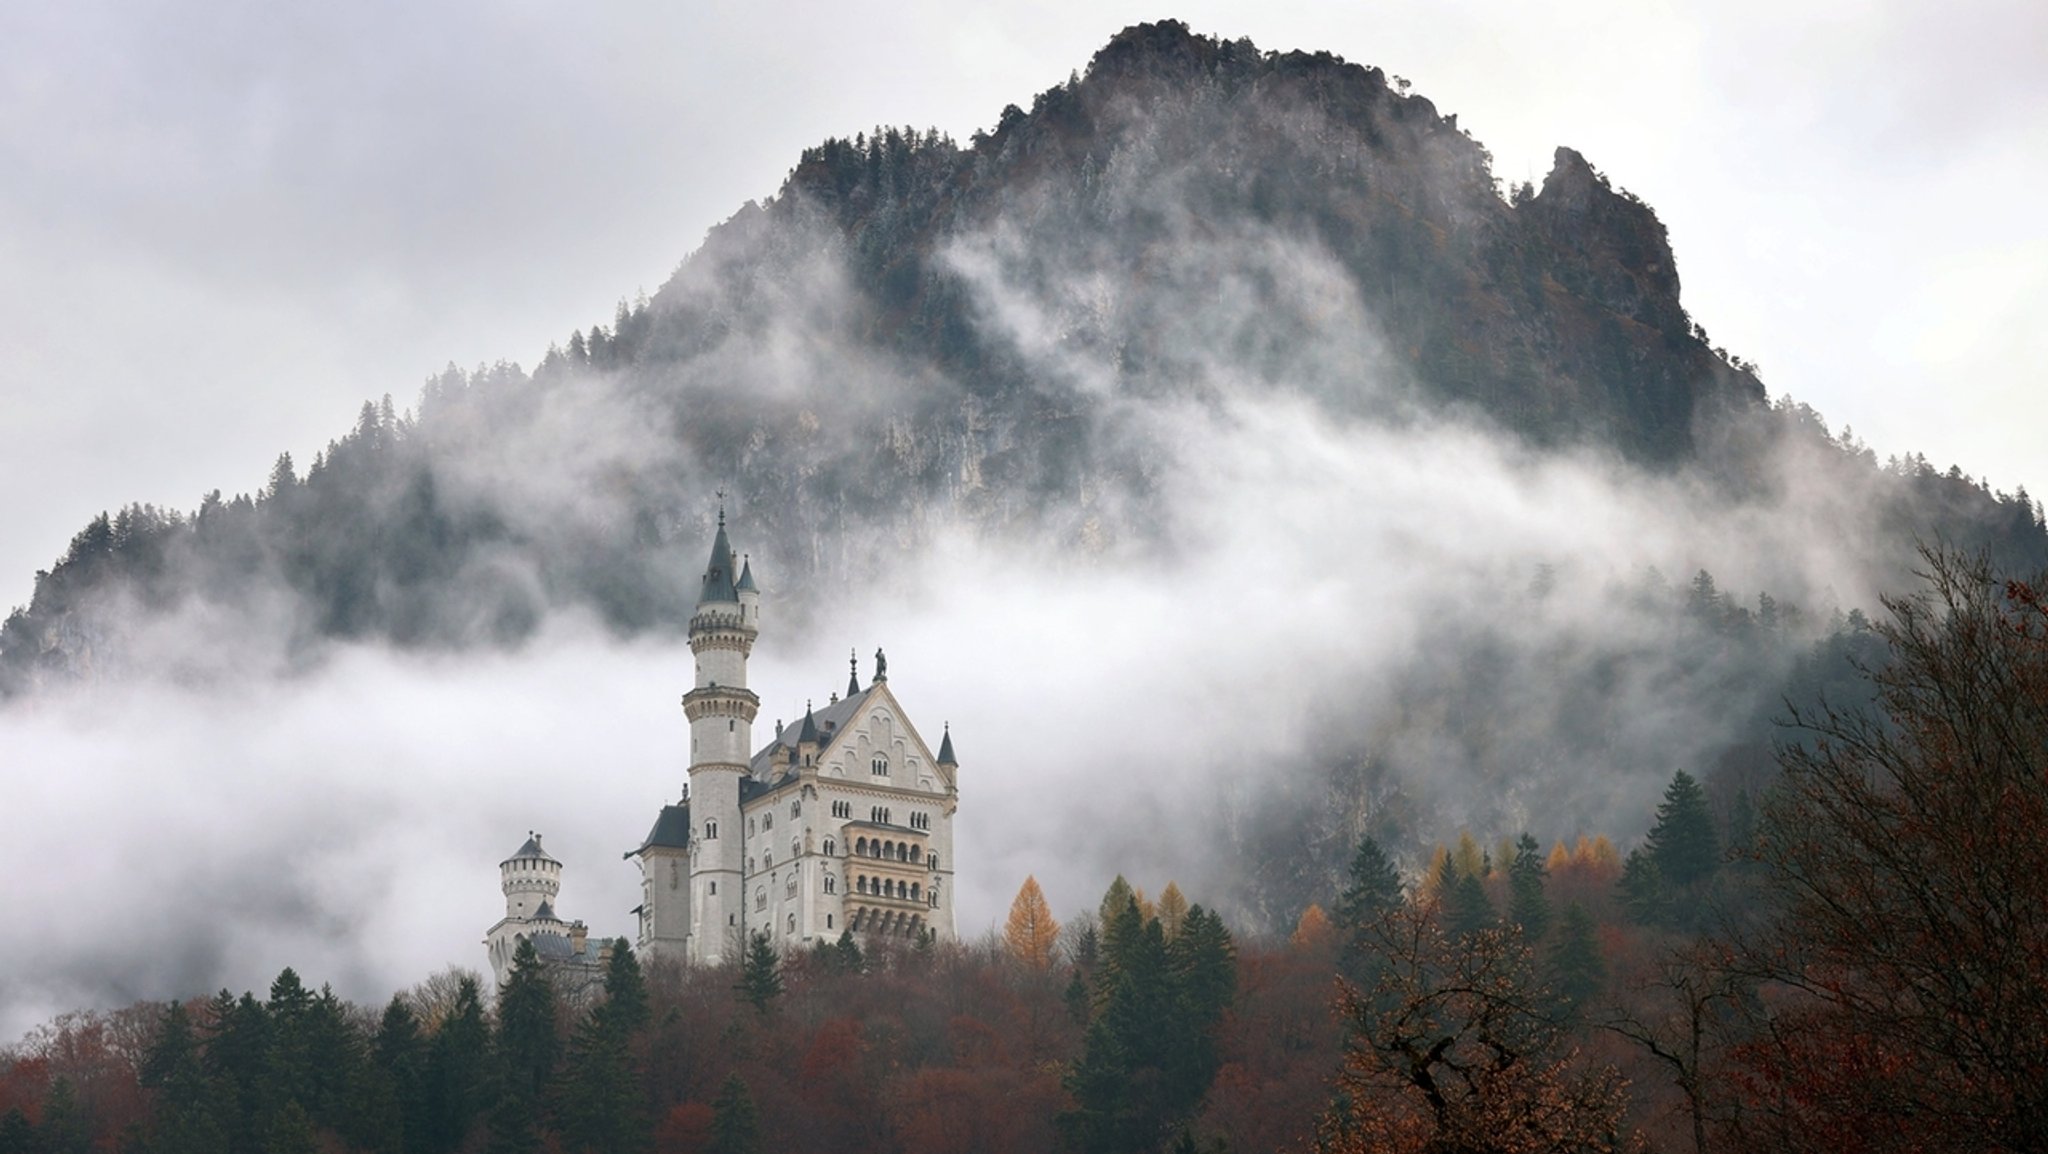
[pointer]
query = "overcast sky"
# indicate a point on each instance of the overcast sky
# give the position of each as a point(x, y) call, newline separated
point(223, 225)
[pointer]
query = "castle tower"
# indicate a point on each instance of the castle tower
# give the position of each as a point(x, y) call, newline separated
point(721, 710)
point(531, 879)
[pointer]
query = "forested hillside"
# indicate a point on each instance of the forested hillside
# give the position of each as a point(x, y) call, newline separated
point(1851, 962)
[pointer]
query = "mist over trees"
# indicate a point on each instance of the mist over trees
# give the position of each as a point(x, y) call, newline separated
point(1858, 969)
point(1036, 338)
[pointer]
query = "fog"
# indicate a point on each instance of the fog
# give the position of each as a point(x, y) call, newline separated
point(1278, 556)
point(1109, 708)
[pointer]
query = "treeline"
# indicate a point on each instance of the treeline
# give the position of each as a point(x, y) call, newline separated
point(1857, 961)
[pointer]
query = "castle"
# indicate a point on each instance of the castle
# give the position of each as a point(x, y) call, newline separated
point(842, 822)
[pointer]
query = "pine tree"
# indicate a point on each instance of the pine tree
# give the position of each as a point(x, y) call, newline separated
point(238, 1057)
point(185, 1119)
point(399, 1052)
point(291, 1132)
point(65, 1128)
point(1645, 893)
point(1031, 933)
point(625, 988)
point(604, 1105)
point(1466, 908)
point(846, 955)
point(1577, 970)
point(17, 1133)
point(760, 973)
point(528, 1044)
point(290, 1009)
point(1527, 905)
point(1683, 840)
point(1374, 891)
point(457, 1070)
point(735, 1126)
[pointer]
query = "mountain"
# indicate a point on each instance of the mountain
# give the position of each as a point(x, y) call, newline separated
point(1011, 340)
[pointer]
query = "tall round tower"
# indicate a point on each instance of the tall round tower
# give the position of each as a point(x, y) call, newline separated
point(721, 710)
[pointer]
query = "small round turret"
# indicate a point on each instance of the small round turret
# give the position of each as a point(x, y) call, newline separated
point(531, 878)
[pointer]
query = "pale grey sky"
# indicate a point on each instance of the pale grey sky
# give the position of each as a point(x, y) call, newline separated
point(223, 225)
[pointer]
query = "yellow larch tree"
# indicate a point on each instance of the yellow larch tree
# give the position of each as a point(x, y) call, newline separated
point(1470, 858)
point(1031, 933)
point(1432, 885)
point(1173, 910)
point(1313, 929)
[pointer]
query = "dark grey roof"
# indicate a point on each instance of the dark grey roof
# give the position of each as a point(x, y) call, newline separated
point(546, 909)
point(532, 850)
point(810, 730)
point(671, 830)
point(718, 575)
point(751, 788)
point(746, 584)
point(946, 748)
point(553, 946)
point(828, 722)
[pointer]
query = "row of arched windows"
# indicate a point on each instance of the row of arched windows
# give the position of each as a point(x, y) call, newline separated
point(888, 888)
point(876, 847)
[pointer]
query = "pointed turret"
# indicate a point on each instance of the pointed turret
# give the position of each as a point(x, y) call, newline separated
point(746, 584)
point(718, 575)
point(853, 674)
point(946, 757)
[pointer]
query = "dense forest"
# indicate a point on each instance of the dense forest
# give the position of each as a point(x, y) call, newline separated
point(1850, 960)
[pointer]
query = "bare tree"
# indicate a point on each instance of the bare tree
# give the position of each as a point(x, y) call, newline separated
point(1906, 857)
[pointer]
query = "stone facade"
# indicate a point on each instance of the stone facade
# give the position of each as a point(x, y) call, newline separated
point(842, 821)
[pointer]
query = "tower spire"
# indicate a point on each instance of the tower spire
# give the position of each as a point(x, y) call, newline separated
point(853, 674)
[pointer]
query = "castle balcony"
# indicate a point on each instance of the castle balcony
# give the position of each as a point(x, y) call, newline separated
point(885, 919)
point(713, 620)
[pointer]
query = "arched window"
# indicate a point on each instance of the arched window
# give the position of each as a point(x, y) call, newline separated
point(916, 852)
point(903, 852)
point(792, 923)
point(880, 766)
point(761, 898)
point(710, 831)
point(767, 821)
point(932, 862)
point(796, 846)
point(860, 883)
point(831, 886)
point(860, 846)
point(914, 894)
point(768, 860)
point(796, 809)
point(789, 891)
point(830, 848)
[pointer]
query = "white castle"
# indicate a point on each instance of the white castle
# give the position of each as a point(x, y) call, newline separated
point(842, 822)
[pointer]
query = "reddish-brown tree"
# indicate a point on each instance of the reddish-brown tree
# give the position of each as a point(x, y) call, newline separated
point(1906, 857)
